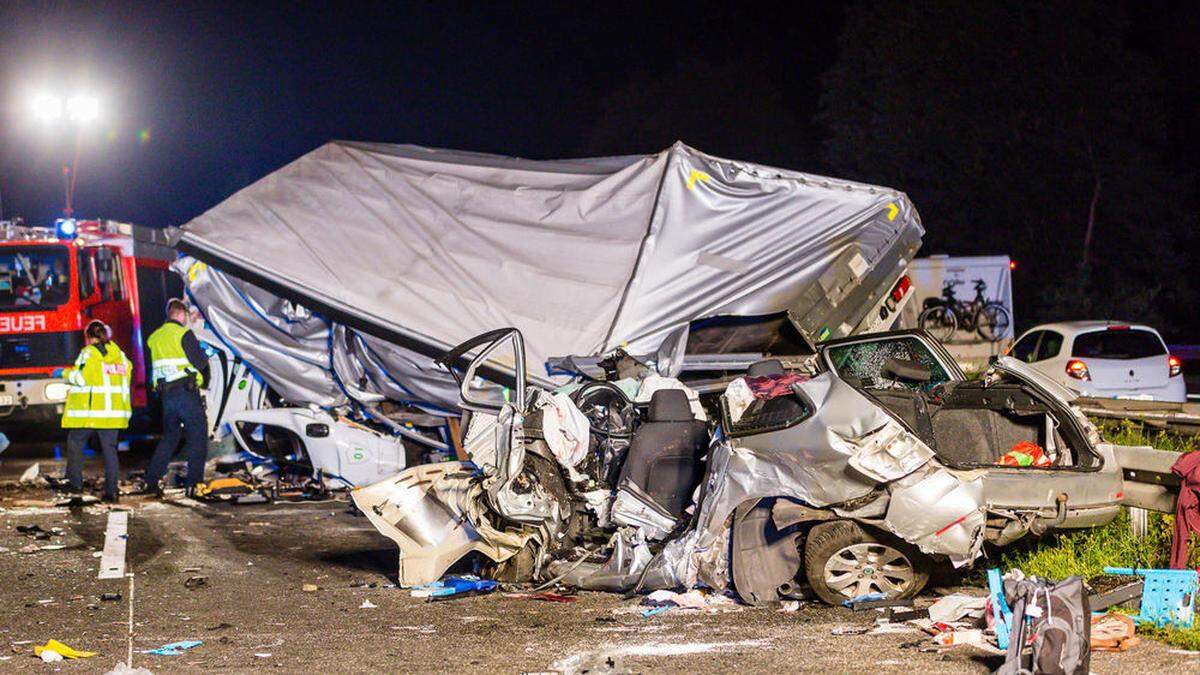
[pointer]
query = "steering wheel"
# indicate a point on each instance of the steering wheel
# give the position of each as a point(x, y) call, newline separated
point(608, 409)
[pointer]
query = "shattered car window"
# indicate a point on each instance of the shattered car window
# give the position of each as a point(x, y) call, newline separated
point(864, 361)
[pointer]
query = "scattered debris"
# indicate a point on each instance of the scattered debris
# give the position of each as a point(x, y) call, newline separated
point(30, 475)
point(367, 604)
point(54, 647)
point(887, 627)
point(37, 532)
point(454, 587)
point(954, 638)
point(310, 588)
point(863, 605)
point(957, 606)
point(110, 597)
point(196, 582)
point(865, 597)
point(850, 630)
point(174, 648)
point(789, 606)
point(221, 626)
point(898, 615)
point(693, 599)
point(655, 611)
point(1113, 633)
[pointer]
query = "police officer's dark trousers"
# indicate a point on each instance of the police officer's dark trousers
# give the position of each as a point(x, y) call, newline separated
point(77, 440)
point(183, 415)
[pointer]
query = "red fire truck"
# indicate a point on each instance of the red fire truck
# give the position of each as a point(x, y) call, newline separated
point(52, 283)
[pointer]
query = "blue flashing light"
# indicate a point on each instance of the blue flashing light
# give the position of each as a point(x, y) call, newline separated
point(66, 228)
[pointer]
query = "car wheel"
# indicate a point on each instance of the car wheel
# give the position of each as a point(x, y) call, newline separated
point(843, 561)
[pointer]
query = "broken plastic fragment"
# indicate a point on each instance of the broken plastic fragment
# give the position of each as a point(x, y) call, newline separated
point(62, 650)
point(174, 648)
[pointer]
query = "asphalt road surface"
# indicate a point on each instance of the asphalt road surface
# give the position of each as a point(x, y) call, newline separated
point(252, 612)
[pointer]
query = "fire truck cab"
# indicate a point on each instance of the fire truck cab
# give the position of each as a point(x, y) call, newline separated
point(53, 281)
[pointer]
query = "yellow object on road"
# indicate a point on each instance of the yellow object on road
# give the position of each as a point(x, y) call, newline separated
point(65, 651)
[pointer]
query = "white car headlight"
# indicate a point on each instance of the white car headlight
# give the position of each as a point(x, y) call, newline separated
point(56, 391)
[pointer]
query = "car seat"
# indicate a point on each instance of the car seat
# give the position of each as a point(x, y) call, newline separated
point(664, 455)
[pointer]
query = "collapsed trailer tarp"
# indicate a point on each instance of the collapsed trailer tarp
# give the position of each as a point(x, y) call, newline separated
point(413, 248)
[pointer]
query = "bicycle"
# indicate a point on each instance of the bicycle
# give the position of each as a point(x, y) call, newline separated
point(942, 317)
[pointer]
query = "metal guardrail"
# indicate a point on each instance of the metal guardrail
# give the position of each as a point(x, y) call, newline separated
point(1177, 417)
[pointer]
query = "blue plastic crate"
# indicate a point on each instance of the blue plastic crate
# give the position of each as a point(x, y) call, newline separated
point(1168, 596)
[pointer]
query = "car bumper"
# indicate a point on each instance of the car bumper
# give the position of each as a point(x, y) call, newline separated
point(32, 399)
point(1175, 391)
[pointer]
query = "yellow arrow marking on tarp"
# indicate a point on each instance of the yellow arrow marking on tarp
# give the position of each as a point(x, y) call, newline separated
point(892, 211)
point(195, 269)
point(697, 175)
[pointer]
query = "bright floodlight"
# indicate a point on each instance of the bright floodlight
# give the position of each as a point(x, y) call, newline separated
point(83, 108)
point(47, 108)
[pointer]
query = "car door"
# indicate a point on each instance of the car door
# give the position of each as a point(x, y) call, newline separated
point(1025, 349)
point(1084, 495)
point(862, 357)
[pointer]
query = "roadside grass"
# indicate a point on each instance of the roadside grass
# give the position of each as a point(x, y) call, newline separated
point(1059, 555)
point(1184, 638)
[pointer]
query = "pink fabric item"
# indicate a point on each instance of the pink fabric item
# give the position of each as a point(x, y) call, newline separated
point(773, 386)
point(1187, 507)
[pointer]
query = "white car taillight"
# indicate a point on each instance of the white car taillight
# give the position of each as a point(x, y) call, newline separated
point(1174, 366)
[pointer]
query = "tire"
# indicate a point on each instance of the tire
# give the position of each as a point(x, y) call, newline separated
point(837, 554)
point(992, 321)
point(939, 321)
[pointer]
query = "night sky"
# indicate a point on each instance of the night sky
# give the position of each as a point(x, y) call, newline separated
point(228, 93)
point(201, 99)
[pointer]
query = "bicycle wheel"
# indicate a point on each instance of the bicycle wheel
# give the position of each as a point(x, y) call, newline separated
point(992, 321)
point(940, 322)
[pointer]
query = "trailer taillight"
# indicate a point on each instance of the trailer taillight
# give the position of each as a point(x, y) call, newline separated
point(901, 288)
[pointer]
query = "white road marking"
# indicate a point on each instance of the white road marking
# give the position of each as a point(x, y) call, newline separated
point(116, 536)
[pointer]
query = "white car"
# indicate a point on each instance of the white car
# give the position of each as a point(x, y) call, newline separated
point(1104, 359)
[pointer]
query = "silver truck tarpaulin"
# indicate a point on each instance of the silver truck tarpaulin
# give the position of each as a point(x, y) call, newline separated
point(411, 249)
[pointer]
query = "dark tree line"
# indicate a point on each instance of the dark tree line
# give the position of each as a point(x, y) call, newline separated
point(1048, 131)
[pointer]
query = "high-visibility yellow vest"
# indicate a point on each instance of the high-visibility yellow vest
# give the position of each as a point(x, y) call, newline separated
point(98, 397)
point(169, 361)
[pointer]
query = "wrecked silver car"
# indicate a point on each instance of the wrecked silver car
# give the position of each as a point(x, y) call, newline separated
point(850, 473)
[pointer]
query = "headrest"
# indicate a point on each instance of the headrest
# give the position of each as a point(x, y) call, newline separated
point(765, 368)
point(670, 405)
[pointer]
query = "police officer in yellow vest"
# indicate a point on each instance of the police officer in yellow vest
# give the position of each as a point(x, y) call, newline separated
point(178, 370)
point(97, 403)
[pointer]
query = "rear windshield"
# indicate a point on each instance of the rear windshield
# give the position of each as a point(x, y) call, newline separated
point(1118, 344)
point(34, 277)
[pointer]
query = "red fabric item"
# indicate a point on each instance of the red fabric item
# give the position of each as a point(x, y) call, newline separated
point(1187, 507)
point(1031, 453)
point(773, 386)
